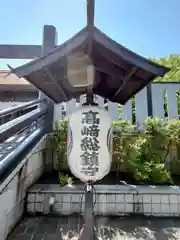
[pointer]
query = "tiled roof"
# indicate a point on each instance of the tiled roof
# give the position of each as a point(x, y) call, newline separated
point(11, 78)
point(11, 81)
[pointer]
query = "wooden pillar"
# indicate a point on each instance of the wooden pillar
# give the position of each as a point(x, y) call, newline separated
point(49, 43)
point(149, 100)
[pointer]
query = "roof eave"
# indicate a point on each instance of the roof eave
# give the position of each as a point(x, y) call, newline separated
point(59, 52)
point(101, 38)
point(128, 55)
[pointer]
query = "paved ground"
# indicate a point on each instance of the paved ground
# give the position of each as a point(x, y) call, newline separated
point(109, 228)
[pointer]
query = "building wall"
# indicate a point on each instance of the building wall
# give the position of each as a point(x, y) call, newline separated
point(9, 99)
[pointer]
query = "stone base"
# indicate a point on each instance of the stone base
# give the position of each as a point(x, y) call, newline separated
point(116, 200)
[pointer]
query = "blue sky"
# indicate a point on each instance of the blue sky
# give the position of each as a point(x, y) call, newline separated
point(148, 27)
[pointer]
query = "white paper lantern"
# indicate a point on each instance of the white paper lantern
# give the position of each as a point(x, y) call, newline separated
point(90, 143)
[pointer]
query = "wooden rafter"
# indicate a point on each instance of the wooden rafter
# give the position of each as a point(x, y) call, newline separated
point(111, 57)
point(125, 80)
point(103, 65)
point(53, 79)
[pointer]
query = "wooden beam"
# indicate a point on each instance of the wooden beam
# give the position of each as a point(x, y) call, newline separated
point(20, 51)
point(125, 80)
point(112, 57)
point(108, 72)
point(129, 75)
point(49, 74)
point(90, 13)
point(90, 25)
point(103, 65)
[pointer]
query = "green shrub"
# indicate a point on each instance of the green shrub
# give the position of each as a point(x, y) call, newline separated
point(174, 146)
point(150, 155)
point(65, 179)
point(60, 143)
point(124, 140)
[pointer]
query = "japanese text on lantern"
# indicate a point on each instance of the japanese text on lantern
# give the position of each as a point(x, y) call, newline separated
point(90, 143)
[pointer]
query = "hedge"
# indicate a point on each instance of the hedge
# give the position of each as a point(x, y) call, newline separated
point(151, 154)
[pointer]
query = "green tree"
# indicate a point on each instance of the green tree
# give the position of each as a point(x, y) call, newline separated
point(172, 62)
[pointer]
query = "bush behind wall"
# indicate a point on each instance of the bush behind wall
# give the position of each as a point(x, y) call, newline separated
point(150, 155)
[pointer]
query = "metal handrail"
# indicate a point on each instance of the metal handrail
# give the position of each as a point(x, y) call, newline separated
point(34, 120)
point(20, 107)
point(8, 129)
point(11, 161)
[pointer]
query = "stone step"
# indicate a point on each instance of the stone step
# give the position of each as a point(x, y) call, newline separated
point(129, 228)
point(115, 200)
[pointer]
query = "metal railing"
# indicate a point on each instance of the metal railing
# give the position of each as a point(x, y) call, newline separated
point(13, 213)
point(21, 127)
point(9, 114)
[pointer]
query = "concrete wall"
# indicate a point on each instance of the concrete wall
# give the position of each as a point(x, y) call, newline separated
point(13, 189)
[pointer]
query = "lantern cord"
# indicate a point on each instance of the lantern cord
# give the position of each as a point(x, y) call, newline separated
point(79, 218)
point(94, 190)
point(81, 202)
